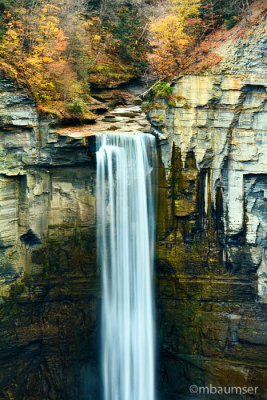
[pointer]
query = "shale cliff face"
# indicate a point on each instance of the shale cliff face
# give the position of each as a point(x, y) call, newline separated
point(212, 223)
point(49, 285)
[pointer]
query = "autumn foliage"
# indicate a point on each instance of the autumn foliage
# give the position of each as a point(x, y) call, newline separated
point(173, 35)
point(62, 48)
point(35, 49)
point(59, 48)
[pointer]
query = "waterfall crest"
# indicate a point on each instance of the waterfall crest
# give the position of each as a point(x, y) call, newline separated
point(125, 223)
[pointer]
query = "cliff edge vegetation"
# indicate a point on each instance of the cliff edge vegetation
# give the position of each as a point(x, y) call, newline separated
point(60, 49)
point(64, 49)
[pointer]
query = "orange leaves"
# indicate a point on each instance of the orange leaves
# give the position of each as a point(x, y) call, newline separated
point(194, 21)
point(210, 61)
point(61, 42)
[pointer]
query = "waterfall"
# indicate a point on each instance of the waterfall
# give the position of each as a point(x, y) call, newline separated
point(125, 221)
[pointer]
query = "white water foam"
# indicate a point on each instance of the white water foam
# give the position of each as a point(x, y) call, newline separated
point(125, 221)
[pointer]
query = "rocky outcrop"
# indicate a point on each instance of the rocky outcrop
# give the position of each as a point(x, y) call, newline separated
point(212, 249)
point(49, 284)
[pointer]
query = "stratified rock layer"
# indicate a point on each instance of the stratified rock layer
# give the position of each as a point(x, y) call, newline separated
point(212, 219)
point(49, 285)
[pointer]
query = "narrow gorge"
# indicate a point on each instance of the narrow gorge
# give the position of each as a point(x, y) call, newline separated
point(210, 268)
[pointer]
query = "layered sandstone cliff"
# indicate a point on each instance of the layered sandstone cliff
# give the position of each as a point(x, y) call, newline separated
point(49, 287)
point(212, 248)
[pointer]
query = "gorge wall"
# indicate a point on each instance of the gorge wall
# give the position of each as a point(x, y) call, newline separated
point(49, 284)
point(211, 289)
point(212, 220)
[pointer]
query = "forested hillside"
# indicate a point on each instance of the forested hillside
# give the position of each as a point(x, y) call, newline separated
point(61, 49)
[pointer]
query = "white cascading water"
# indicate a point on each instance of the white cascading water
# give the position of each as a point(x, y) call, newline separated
point(125, 211)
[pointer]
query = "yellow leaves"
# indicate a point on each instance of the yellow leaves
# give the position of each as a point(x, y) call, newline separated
point(93, 22)
point(12, 34)
point(47, 59)
point(32, 62)
point(7, 14)
point(10, 45)
point(50, 8)
point(169, 42)
point(170, 36)
point(56, 48)
point(167, 27)
point(185, 8)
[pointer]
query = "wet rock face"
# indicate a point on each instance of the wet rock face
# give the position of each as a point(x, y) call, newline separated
point(211, 247)
point(49, 285)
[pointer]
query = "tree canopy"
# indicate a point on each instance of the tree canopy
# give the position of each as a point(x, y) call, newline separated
point(61, 48)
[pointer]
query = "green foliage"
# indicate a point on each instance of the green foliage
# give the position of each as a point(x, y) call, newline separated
point(78, 106)
point(171, 104)
point(162, 89)
point(146, 106)
point(230, 23)
point(127, 31)
point(160, 118)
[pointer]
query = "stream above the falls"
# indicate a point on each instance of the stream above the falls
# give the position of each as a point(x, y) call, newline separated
point(122, 119)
